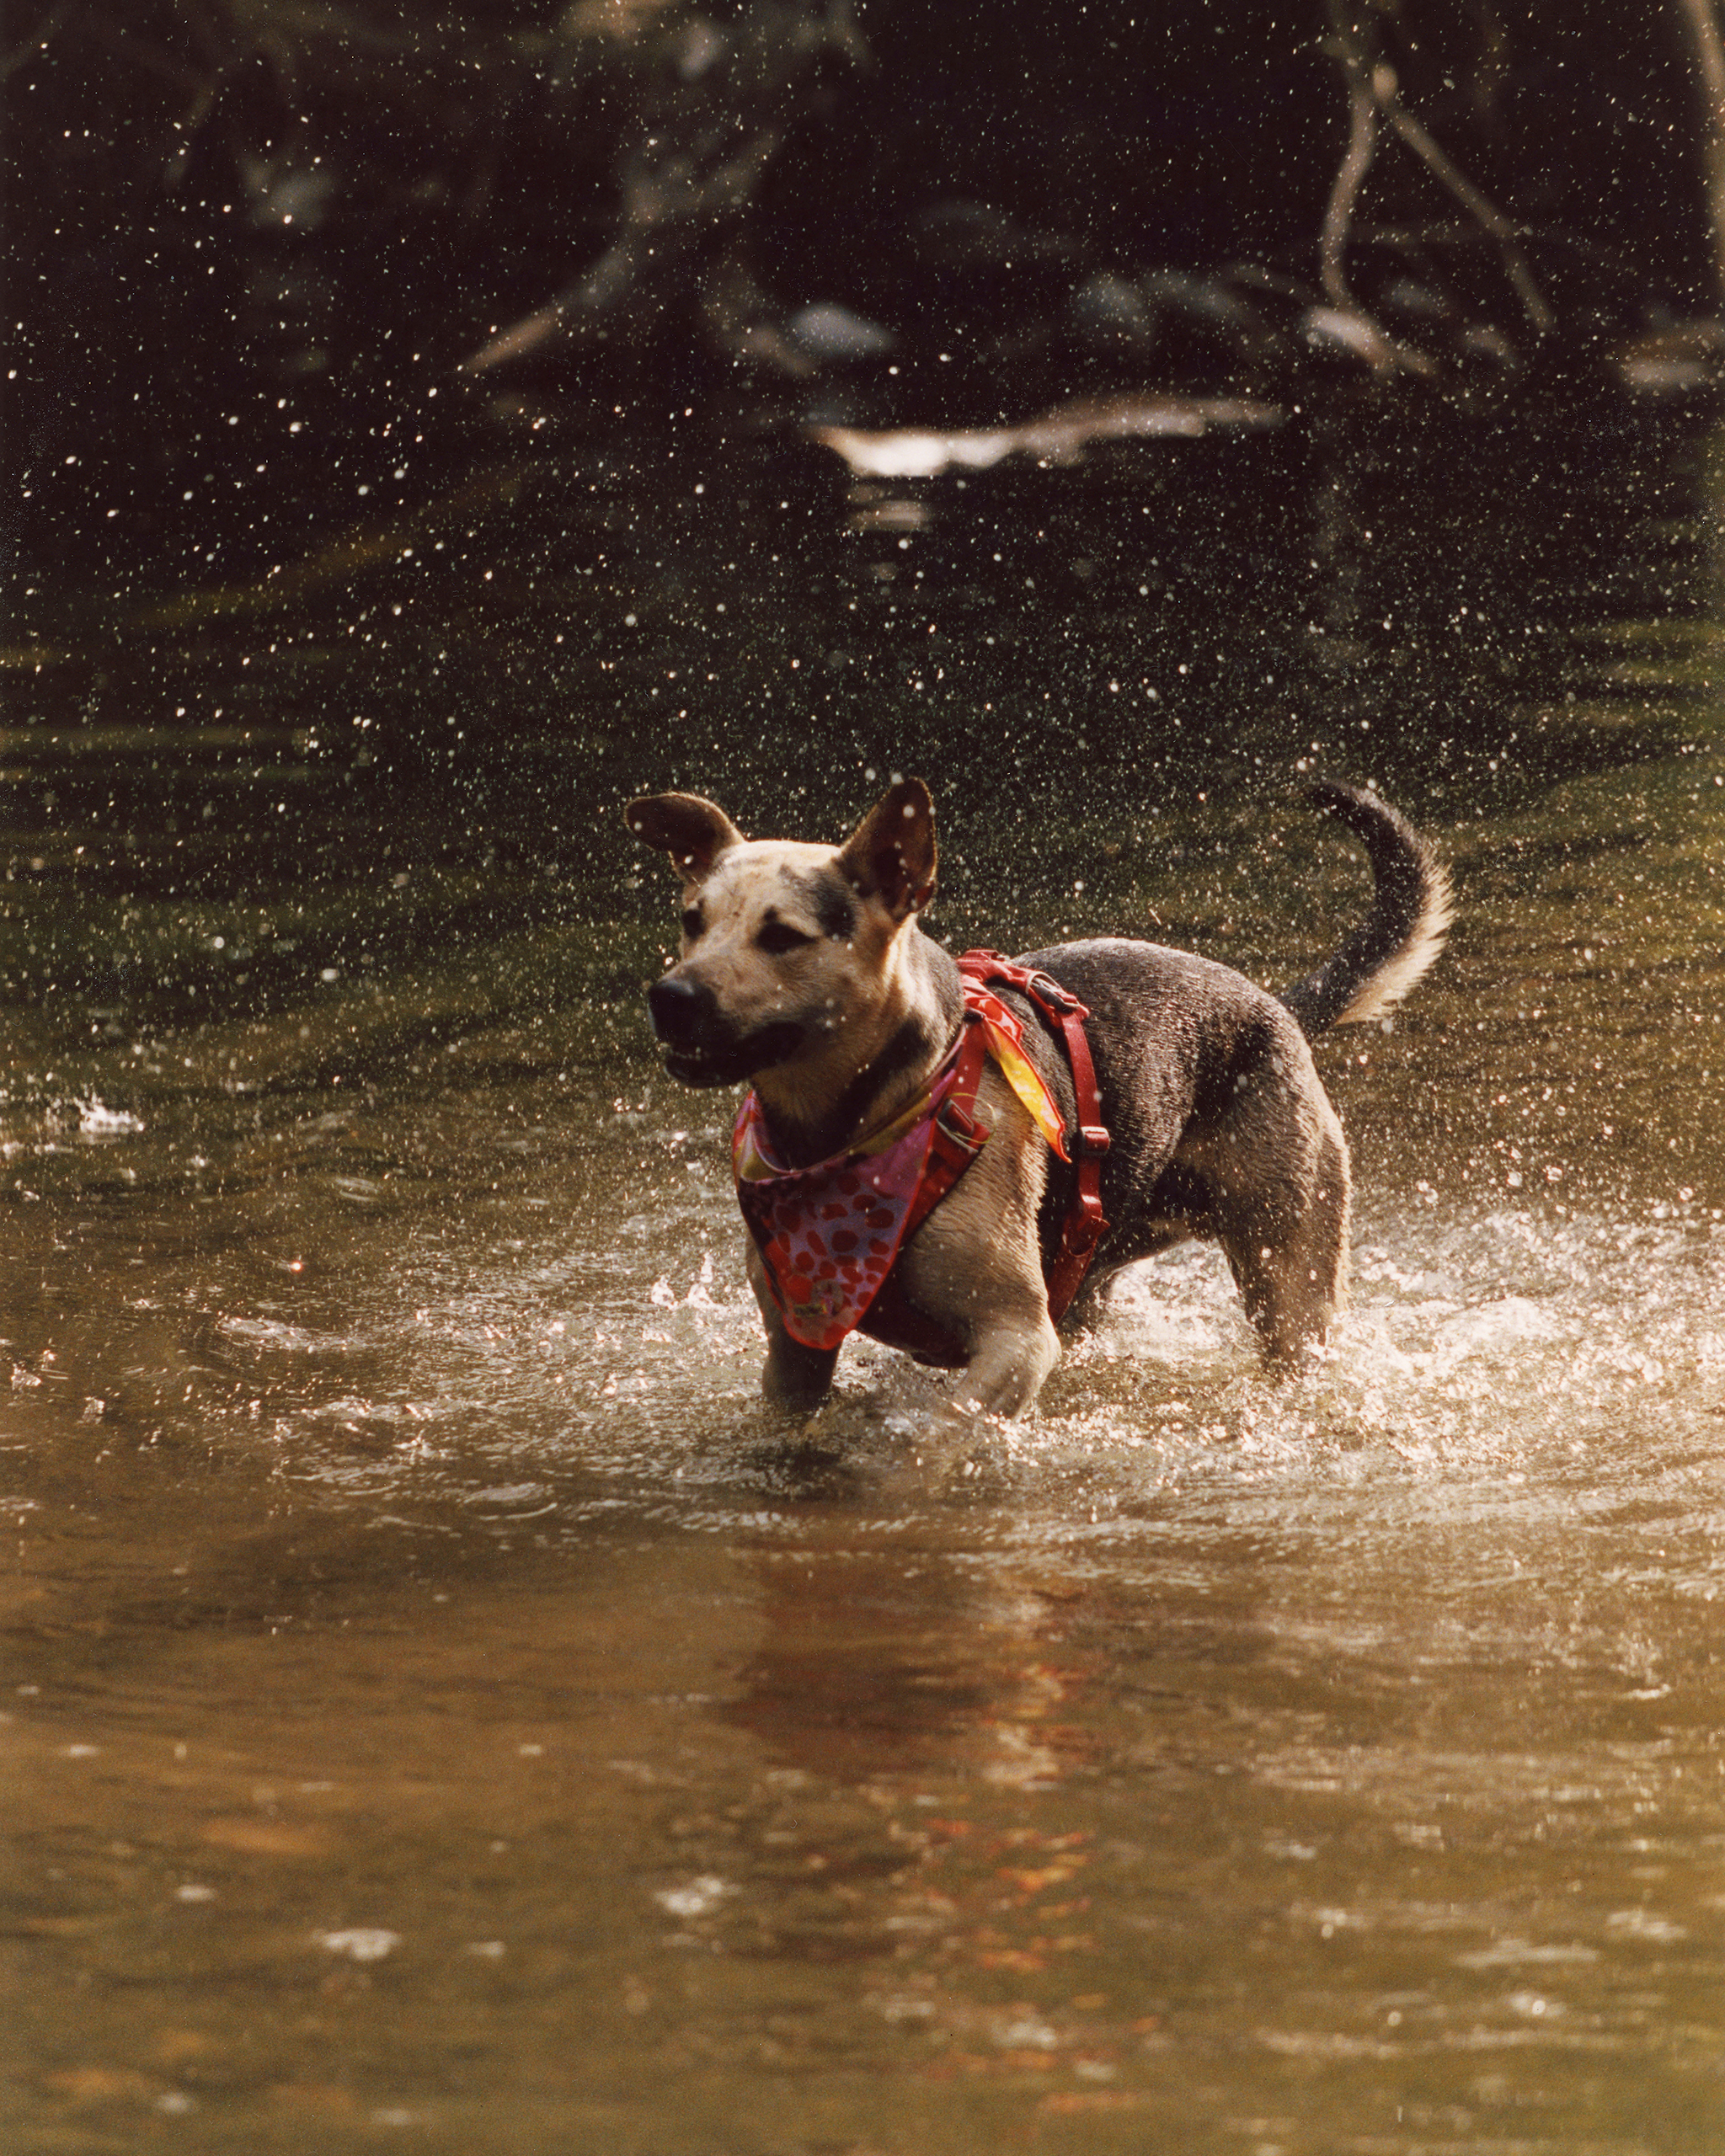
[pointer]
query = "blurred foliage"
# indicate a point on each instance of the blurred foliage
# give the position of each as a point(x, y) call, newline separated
point(223, 208)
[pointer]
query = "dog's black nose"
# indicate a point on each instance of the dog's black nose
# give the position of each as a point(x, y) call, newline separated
point(681, 1010)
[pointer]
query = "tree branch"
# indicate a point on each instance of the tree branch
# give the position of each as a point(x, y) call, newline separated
point(1344, 188)
point(1374, 93)
point(1479, 207)
point(1368, 335)
point(1703, 26)
point(22, 54)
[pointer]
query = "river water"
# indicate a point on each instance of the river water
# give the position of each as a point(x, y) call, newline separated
point(442, 1711)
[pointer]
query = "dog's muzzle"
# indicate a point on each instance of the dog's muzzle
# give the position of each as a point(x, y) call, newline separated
point(682, 1011)
point(700, 1045)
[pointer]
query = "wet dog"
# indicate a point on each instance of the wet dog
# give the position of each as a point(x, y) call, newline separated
point(805, 971)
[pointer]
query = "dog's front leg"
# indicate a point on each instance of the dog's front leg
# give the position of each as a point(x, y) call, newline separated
point(976, 1265)
point(796, 1378)
point(1011, 1359)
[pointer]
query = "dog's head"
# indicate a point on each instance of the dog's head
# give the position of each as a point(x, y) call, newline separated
point(784, 945)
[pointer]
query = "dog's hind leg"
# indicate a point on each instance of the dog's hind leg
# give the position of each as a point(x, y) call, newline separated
point(1088, 1307)
point(1292, 1270)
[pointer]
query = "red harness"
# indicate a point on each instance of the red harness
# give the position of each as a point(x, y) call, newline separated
point(958, 1137)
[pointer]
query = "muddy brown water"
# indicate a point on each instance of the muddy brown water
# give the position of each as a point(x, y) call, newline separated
point(442, 1712)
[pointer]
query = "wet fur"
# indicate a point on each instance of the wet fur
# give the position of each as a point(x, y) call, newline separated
point(803, 970)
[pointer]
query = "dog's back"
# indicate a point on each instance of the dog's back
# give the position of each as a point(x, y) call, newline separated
point(1206, 1084)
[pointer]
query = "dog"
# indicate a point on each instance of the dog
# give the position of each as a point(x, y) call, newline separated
point(805, 970)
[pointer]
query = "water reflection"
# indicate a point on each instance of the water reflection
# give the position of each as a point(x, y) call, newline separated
point(444, 1707)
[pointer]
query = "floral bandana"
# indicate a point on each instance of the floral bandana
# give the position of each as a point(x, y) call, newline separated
point(830, 1234)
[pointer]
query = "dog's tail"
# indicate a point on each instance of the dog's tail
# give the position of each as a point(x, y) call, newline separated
point(1411, 911)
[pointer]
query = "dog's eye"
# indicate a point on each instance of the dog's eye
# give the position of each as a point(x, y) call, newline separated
point(692, 923)
point(778, 937)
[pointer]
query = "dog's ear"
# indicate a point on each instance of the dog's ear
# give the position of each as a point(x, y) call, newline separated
point(692, 831)
point(890, 856)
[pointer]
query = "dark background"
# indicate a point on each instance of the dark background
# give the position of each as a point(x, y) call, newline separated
point(222, 220)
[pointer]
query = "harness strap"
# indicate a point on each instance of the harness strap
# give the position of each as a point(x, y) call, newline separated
point(1084, 1225)
point(958, 1137)
point(956, 1140)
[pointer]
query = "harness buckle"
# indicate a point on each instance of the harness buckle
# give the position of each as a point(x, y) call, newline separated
point(1047, 991)
point(1081, 1233)
point(956, 1121)
point(1094, 1140)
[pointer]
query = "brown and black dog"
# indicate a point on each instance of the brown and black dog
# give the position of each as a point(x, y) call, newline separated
point(805, 970)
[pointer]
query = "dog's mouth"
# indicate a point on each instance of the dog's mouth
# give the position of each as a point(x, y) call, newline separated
point(727, 1063)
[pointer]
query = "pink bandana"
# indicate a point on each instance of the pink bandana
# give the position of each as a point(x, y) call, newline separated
point(829, 1235)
